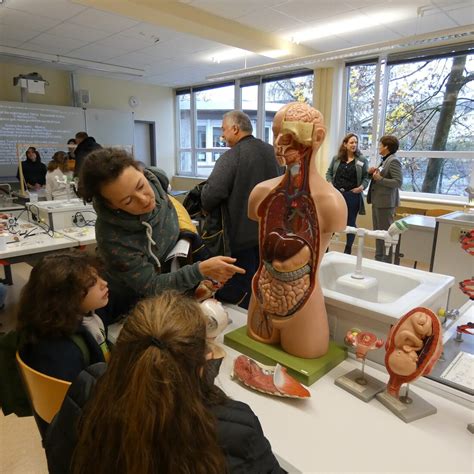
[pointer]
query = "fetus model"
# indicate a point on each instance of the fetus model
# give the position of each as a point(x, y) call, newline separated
point(297, 214)
point(413, 347)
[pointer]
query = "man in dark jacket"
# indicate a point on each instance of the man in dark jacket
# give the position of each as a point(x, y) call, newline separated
point(248, 162)
point(85, 145)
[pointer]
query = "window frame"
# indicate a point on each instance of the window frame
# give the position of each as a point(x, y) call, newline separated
point(382, 79)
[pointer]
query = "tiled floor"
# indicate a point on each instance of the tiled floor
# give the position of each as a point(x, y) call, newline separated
point(20, 444)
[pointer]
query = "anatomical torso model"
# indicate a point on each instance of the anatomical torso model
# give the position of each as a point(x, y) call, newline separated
point(297, 215)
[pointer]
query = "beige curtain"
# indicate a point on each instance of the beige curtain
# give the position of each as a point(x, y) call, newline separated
point(322, 101)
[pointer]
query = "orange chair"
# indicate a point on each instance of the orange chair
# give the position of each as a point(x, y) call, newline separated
point(46, 393)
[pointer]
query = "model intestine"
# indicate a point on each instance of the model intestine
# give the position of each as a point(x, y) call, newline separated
point(413, 347)
point(297, 214)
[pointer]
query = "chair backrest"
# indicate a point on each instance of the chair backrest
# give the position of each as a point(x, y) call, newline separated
point(46, 393)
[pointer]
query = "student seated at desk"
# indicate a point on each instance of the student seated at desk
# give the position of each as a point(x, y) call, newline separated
point(56, 319)
point(34, 172)
point(156, 408)
point(58, 169)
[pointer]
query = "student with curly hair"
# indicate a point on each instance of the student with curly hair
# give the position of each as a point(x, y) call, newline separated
point(156, 408)
point(58, 168)
point(62, 335)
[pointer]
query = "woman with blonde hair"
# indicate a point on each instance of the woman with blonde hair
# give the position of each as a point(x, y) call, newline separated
point(156, 409)
point(58, 170)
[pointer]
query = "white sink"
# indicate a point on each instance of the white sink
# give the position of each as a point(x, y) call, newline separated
point(399, 288)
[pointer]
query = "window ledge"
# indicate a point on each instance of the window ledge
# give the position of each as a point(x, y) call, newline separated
point(434, 200)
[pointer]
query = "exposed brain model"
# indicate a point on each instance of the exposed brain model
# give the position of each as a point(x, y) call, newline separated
point(413, 348)
point(297, 215)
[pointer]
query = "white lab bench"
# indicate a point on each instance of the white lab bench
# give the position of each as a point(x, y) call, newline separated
point(334, 431)
point(417, 242)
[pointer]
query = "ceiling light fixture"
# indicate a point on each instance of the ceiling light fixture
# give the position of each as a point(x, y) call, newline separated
point(70, 61)
point(360, 22)
point(437, 38)
point(236, 53)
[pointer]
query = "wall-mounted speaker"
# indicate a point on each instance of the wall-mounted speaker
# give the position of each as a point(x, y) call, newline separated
point(83, 97)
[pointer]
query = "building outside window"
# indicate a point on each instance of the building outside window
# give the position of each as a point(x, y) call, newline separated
point(200, 111)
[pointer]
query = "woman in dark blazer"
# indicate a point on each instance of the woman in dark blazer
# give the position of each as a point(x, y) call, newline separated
point(348, 172)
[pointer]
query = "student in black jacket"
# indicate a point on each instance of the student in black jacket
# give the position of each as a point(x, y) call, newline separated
point(156, 408)
point(85, 145)
point(34, 172)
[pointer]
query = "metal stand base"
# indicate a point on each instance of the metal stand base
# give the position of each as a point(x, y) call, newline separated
point(353, 382)
point(413, 409)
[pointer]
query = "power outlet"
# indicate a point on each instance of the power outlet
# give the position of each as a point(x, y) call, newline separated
point(458, 233)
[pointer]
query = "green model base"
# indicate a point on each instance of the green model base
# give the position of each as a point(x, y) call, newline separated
point(306, 371)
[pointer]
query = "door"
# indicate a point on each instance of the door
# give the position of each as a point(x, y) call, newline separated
point(144, 149)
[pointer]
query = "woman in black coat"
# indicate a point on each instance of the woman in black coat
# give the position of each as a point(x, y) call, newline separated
point(34, 172)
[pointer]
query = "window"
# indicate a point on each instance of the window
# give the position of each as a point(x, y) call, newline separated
point(428, 104)
point(281, 91)
point(200, 111)
point(360, 103)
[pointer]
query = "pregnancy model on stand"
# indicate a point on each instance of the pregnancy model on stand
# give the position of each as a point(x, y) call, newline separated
point(297, 215)
point(413, 348)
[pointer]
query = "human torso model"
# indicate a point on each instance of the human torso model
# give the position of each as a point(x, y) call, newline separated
point(297, 215)
point(413, 347)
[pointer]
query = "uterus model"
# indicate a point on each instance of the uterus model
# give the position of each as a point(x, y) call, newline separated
point(413, 347)
point(357, 382)
point(297, 214)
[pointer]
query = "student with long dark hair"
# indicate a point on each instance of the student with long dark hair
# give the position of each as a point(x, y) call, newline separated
point(348, 172)
point(34, 172)
point(156, 409)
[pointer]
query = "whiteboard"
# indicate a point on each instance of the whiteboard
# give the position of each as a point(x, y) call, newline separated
point(35, 124)
point(111, 127)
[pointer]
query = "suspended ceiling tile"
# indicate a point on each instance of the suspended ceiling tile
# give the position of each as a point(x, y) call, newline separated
point(125, 43)
point(79, 32)
point(424, 24)
point(150, 33)
point(267, 19)
point(9, 32)
point(25, 20)
point(56, 9)
point(377, 34)
point(226, 8)
point(53, 44)
point(312, 10)
point(330, 43)
point(102, 20)
point(139, 60)
point(95, 53)
point(462, 16)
